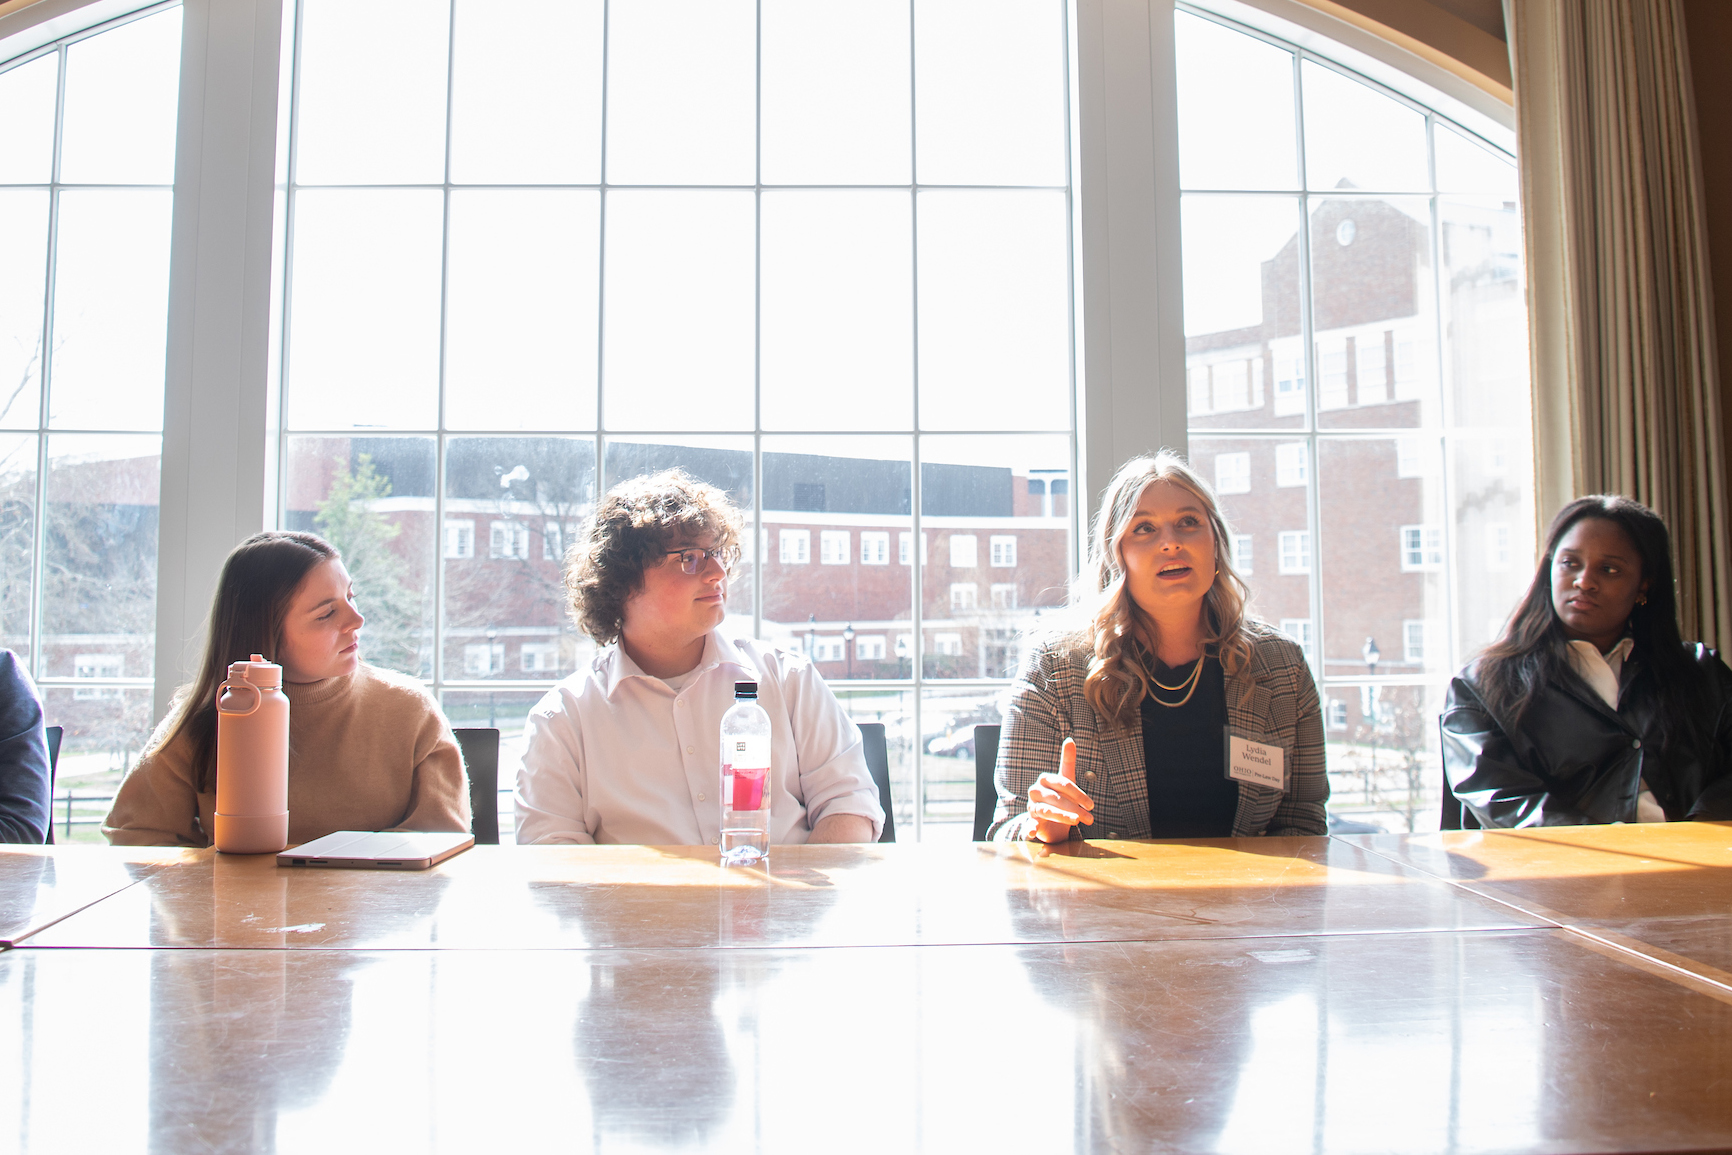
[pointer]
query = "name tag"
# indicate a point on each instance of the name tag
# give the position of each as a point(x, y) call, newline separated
point(1257, 762)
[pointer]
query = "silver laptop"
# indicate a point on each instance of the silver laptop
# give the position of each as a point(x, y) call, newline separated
point(377, 849)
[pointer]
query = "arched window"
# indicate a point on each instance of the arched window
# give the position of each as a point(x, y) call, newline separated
point(1357, 383)
point(816, 254)
point(87, 146)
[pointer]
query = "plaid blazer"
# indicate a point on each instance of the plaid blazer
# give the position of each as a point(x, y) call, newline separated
point(1272, 700)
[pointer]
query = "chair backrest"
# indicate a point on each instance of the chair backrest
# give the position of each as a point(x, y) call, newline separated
point(878, 761)
point(53, 734)
point(480, 747)
point(1455, 816)
point(985, 789)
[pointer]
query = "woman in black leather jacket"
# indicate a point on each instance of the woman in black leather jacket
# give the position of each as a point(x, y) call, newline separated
point(1590, 708)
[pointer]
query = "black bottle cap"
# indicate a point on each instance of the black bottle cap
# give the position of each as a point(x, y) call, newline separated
point(745, 689)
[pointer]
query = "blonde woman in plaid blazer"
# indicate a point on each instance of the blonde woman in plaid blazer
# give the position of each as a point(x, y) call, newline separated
point(1160, 598)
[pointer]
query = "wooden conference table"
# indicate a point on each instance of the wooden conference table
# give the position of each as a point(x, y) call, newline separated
point(1558, 990)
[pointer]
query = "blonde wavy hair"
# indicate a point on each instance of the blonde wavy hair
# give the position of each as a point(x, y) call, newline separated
point(1119, 673)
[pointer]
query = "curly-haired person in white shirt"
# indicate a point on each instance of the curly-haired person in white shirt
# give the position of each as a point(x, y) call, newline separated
point(629, 750)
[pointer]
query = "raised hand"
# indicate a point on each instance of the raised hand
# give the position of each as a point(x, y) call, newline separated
point(1057, 803)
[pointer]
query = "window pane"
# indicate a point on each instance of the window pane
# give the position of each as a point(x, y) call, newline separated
point(372, 91)
point(106, 729)
point(851, 496)
point(1356, 137)
point(1466, 167)
point(526, 92)
point(1236, 128)
point(1269, 520)
point(1374, 309)
point(1381, 745)
point(1383, 542)
point(27, 129)
point(682, 92)
point(110, 309)
point(372, 498)
point(23, 288)
point(520, 312)
point(835, 92)
point(99, 553)
point(505, 599)
point(17, 537)
point(364, 310)
point(837, 311)
point(122, 94)
point(994, 342)
point(975, 493)
point(894, 710)
point(724, 462)
point(1244, 353)
point(947, 721)
point(990, 91)
point(678, 349)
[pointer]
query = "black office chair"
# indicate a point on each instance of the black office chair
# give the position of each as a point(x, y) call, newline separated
point(54, 734)
point(1455, 816)
point(480, 746)
point(985, 789)
point(878, 761)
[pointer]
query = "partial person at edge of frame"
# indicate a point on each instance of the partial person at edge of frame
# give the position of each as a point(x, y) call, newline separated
point(368, 748)
point(1590, 707)
point(24, 778)
point(1164, 684)
point(629, 750)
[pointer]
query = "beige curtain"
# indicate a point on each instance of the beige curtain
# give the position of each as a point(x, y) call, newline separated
point(1626, 395)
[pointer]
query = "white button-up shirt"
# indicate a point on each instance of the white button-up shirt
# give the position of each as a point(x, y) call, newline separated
point(614, 755)
point(1601, 671)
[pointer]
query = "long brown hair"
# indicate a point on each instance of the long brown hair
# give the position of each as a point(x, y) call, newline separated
point(1533, 650)
point(258, 581)
point(1119, 670)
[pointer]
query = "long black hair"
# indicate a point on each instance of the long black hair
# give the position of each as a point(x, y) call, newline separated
point(1533, 651)
point(258, 581)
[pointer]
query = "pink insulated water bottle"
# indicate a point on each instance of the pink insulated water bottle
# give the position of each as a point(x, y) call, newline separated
point(252, 772)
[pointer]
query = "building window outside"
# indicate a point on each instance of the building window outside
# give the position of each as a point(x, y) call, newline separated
point(1335, 714)
point(98, 666)
point(1421, 548)
point(1002, 550)
point(540, 657)
point(1497, 546)
point(964, 551)
point(1416, 637)
point(1371, 369)
point(964, 596)
point(552, 541)
point(459, 537)
point(1243, 556)
point(1415, 457)
point(947, 645)
point(483, 659)
point(508, 539)
point(833, 546)
point(1232, 473)
point(1295, 548)
point(829, 649)
point(1003, 595)
point(1299, 629)
point(869, 648)
point(1291, 465)
point(904, 545)
point(796, 546)
point(874, 547)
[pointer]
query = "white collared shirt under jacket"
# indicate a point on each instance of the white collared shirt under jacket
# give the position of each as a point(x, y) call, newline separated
point(614, 755)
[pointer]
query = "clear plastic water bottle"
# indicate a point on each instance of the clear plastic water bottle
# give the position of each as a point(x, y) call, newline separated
point(745, 779)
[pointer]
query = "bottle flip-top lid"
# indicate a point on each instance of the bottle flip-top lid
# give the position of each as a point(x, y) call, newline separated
point(259, 672)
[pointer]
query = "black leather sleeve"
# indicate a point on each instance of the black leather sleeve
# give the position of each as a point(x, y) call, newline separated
point(1486, 771)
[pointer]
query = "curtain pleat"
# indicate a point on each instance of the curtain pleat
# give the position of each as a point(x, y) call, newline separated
point(1625, 378)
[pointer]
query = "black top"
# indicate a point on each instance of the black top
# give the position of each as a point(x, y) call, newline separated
point(1185, 756)
point(24, 787)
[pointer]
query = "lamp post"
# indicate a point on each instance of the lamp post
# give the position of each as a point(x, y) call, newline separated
point(1371, 653)
point(491, 670)
point(811, 638)
point(848, 646)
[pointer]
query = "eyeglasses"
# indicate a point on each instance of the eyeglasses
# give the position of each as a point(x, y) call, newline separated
point(692, 560)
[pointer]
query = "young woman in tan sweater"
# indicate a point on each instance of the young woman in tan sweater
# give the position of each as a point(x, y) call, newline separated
point(368, 748)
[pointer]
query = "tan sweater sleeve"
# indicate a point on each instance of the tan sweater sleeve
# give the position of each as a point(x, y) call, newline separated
point(158, 803)
point(439, 792)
